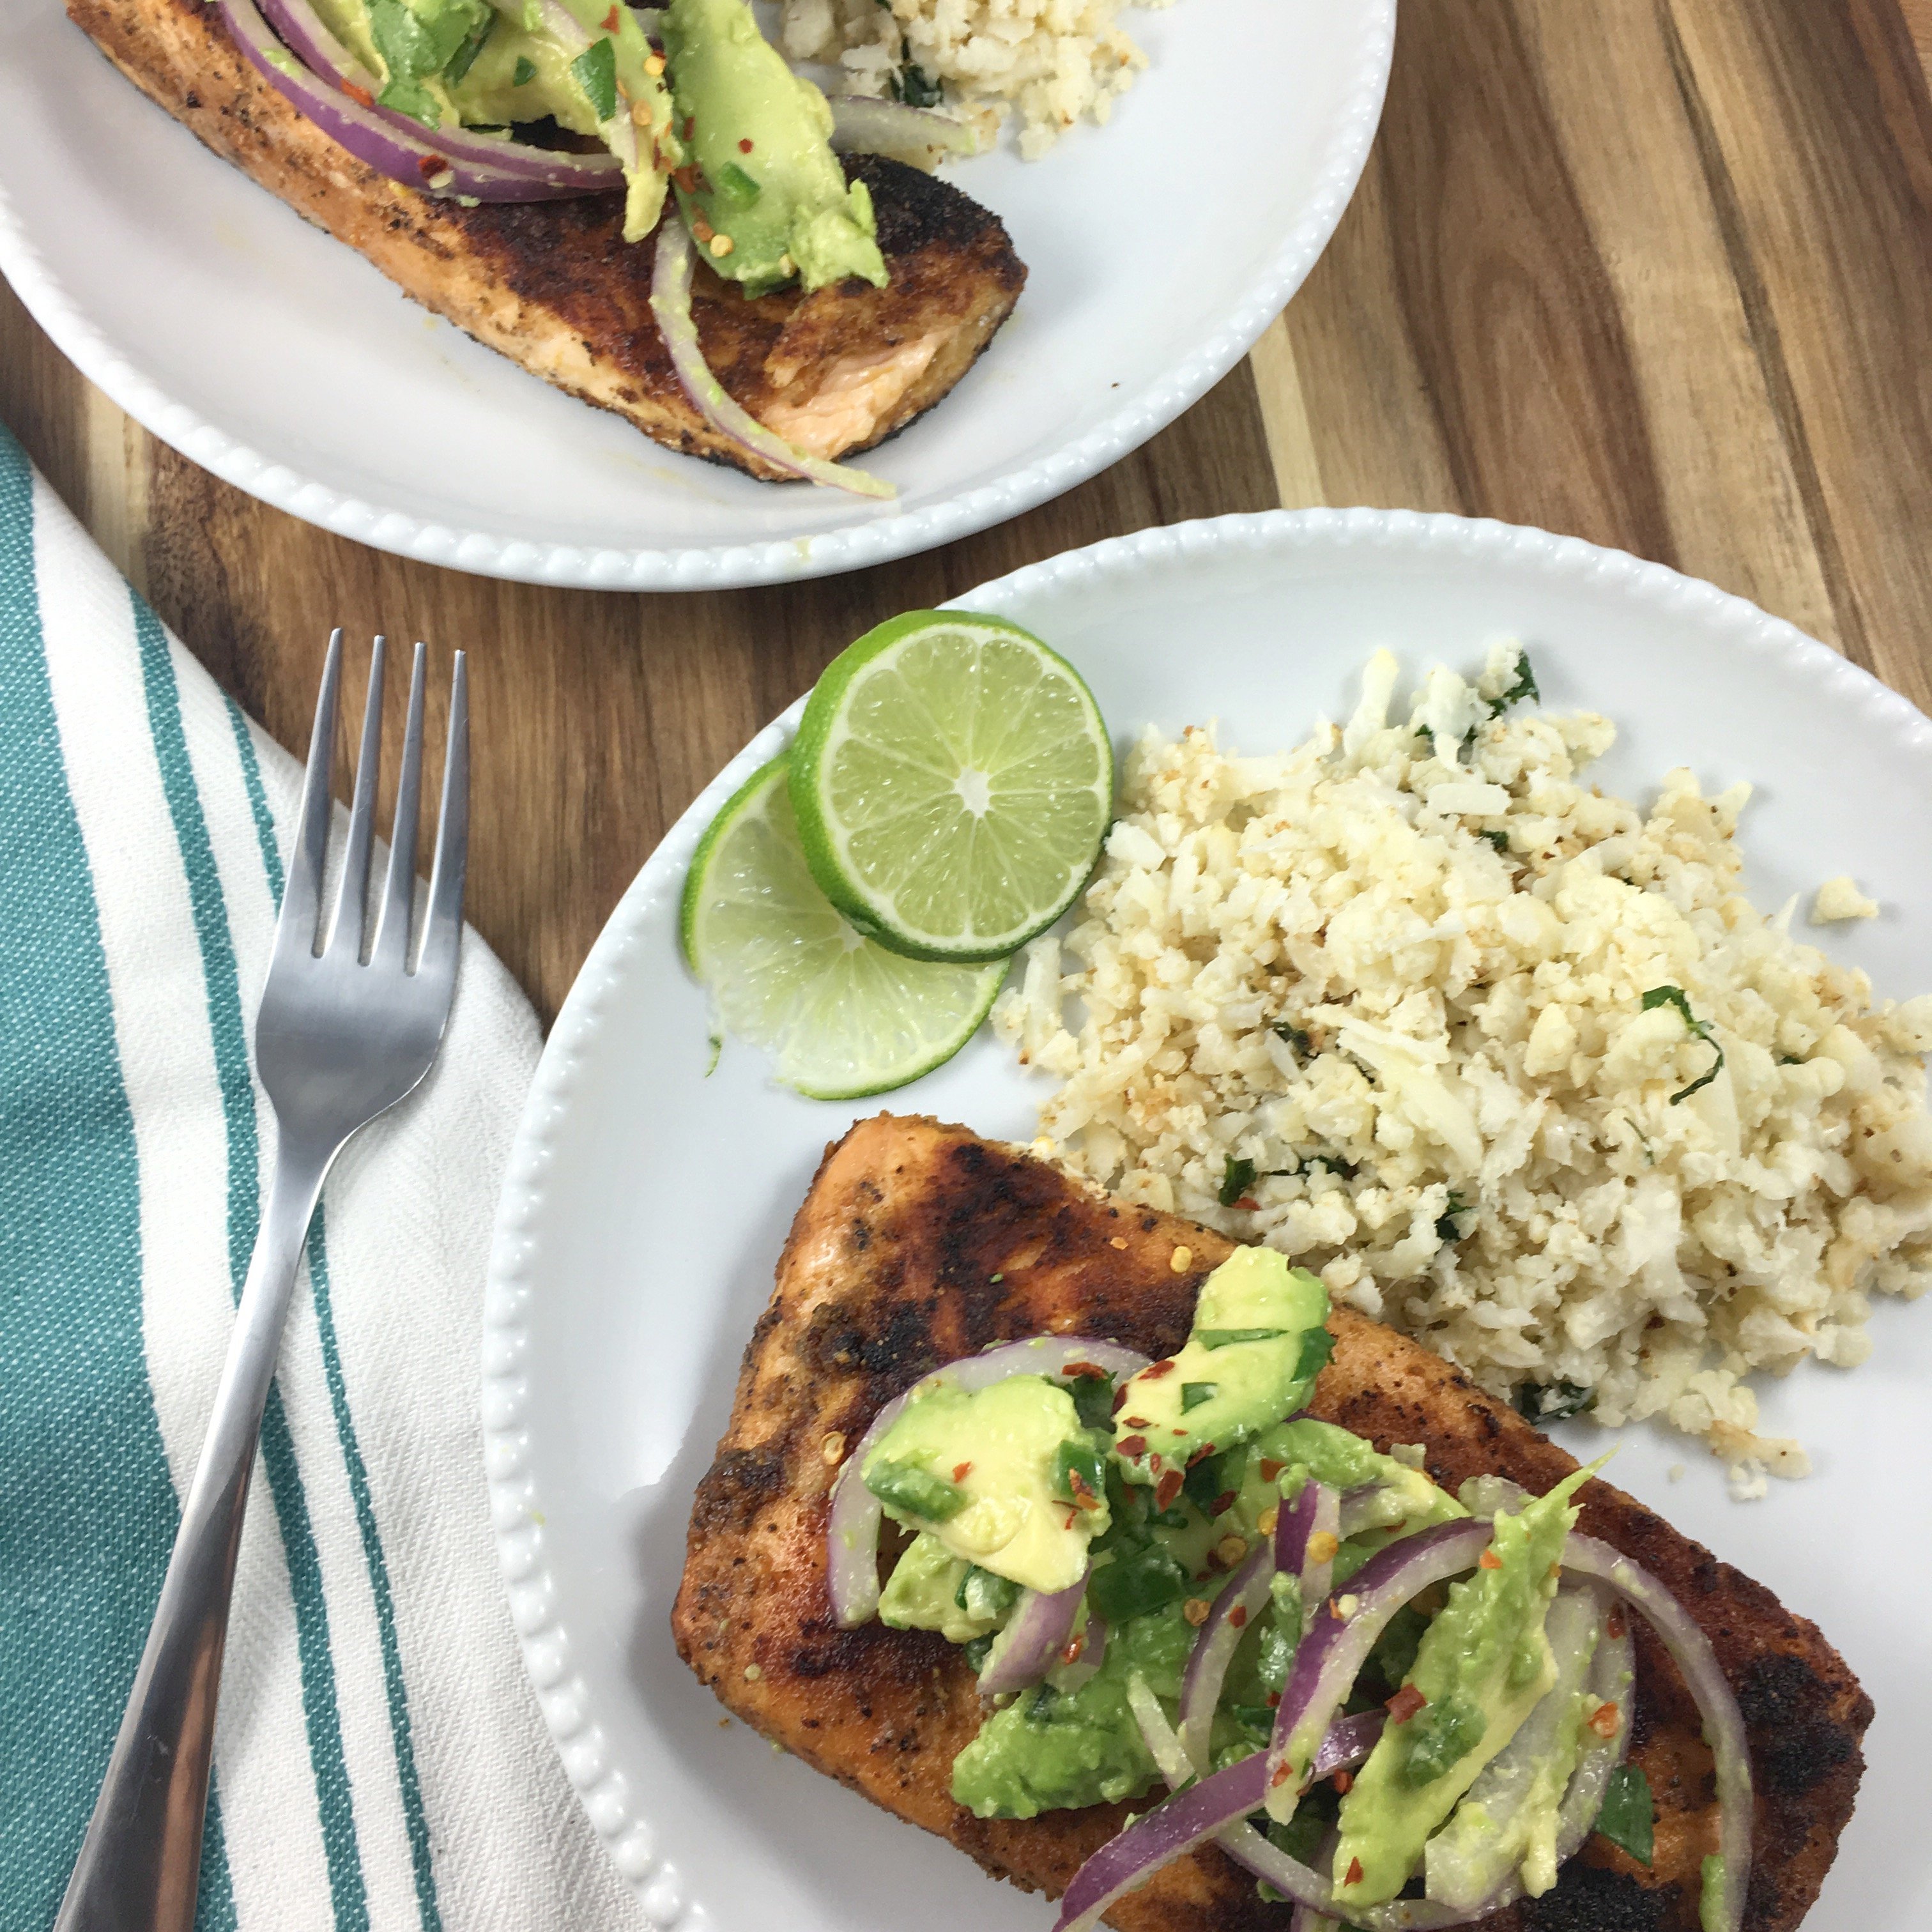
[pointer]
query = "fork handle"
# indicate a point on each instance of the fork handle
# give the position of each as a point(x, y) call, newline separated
point(140, 1868)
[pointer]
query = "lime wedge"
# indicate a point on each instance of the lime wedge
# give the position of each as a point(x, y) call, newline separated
point(953, 780)
point(839, 1016)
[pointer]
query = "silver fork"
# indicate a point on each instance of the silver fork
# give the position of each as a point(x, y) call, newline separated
point(337, 1041)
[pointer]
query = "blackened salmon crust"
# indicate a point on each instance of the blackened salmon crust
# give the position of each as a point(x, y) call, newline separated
point(919, 1243)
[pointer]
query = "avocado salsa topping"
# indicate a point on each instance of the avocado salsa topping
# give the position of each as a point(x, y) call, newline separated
point(479, 99)
point(1357, 1684)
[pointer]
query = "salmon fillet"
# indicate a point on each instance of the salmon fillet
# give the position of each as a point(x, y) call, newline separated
point(919, 1243)
point(554, 286)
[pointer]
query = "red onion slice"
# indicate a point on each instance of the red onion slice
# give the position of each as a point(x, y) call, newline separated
point(431, 162)
point(1349, 1740)
point(1170, 1755)
point(670, 303)
point(1331, 1653)
point(852, 1564)
point(1316, 1512)
point(301, 29)
point(915, 135)
point(1690, 1651)
point(1243, 1595)
point(1039, 1630)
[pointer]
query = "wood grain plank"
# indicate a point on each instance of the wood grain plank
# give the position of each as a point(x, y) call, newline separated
point(1730, 495)
point(1839, 238)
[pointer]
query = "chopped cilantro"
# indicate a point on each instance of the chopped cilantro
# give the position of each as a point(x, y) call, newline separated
point(1446, 1229)
point(1674, 996)
point(1093, 1400)
point(1629, 1817)
point(1235, 1182)
point(737, 186)
point(1343, 1170)
point(1296, 1037)
point(1551, 1402)
point(1317, 1346)
point(1211, 1339)
point(1203, 1484)
point(1193, 1394)
point(1498, 838)
point(1524, 686)
point(912, 86)
point(464, 58)
point(524, 72)
point(595, 71)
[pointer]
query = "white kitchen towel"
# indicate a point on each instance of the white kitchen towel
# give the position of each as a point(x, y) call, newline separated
point(380, 1762)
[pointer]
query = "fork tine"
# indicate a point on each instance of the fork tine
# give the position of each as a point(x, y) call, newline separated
point(302, 893)
point(392, 936)
point(351, 909)
point(443, 927)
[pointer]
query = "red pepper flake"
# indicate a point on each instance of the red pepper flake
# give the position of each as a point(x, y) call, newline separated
point(1222, 1504)
point(1159, 1369)
point(1274, 1700)
point(1606, 1720)
point(1072, 1517)
point(1202, 1454)
point(432, 165)
point(1355, 1876)
point(701, 229)
point(1237, 1616)
point(1283, 1773)
point(1616, 1623)
point(1344, 1782)
point(1120, 1399)
point(1154, 1462)
point(1136, 1422)
point(1167, 1489)
point(611, 21)
point(690, 122)
point(1084, 1497)
point(686, 178)
point(1133, 1447)
point(1248, 1202)
point(1085, 1371)
point(1071, 1654)
point(960, 1471)
point(1404, 1705)
point(744, 145)
point(360, 94)
point(1271, 1469)
point(1489, 1560)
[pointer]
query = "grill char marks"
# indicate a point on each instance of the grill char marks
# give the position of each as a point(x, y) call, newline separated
point(889, 1272)
point(553, 285)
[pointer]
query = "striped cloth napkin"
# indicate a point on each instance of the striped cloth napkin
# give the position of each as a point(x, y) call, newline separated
point(380, 1762)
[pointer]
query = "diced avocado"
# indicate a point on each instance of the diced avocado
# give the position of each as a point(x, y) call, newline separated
point(980, 1471)
point(928, 1590)
point(1405, 1498)
point(762, 190)
point(1049, 1749)
point(461, 62)
point(1507, 1820)
point(1483, 1665)
point(1250, 1360)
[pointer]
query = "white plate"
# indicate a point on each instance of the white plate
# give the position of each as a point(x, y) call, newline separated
point(1159, 246)
point(646, 1204)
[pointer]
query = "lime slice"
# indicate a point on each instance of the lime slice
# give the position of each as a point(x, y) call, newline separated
point(840, 1016)
point(953, 780)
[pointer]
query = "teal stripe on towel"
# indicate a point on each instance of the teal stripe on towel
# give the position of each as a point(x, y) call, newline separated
point(87, 1510)
point(222, 981)
point(395, 1689)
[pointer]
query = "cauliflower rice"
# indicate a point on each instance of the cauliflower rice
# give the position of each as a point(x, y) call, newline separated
point(1387, 993)
point(1052, 61)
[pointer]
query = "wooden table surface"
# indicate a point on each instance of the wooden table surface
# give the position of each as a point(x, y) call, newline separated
point(1657, 273)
